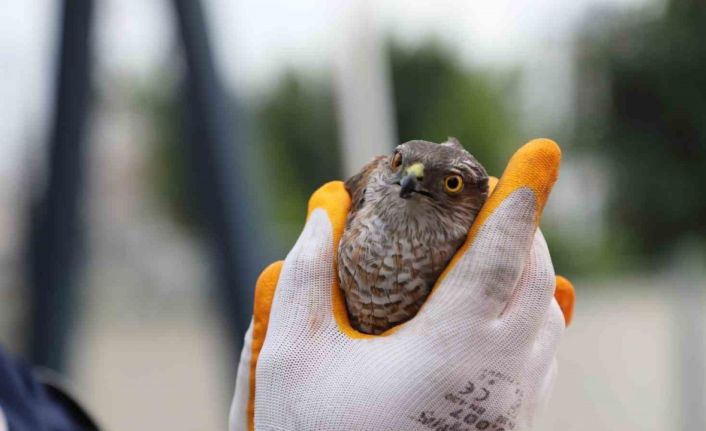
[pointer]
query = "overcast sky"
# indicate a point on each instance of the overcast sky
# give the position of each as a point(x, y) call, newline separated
point(255, 39)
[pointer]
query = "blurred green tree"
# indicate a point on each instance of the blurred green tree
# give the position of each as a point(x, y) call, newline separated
point(437, 96)
point(167, 164)
point(295, 125)
point(642, 106)
point(295, 129)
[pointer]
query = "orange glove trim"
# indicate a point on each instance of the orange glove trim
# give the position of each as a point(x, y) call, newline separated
point(564, 291)
point(334, 199)
point(566, 297)
point(264, 294)
point(535, 165)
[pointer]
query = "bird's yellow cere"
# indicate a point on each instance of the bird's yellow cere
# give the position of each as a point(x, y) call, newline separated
point(417, 169)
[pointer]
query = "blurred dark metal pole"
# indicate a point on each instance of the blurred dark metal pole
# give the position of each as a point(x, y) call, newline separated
point(217, 159)
point(56, 230)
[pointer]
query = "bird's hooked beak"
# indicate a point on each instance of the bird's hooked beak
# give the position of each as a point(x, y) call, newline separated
point(410, 182)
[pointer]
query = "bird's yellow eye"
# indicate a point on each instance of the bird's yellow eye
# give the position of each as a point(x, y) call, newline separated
point(453, 184)
point(396, 161)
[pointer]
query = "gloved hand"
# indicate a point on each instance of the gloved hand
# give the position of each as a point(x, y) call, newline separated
point(478, 355)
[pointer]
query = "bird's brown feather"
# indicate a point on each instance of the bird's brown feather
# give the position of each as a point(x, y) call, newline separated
point(355, 185)
point(393, 249)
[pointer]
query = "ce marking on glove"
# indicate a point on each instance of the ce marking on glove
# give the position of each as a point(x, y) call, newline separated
point(468, 406)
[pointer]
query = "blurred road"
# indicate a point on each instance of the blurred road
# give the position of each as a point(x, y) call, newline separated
point(617, 366)
point(617, 362)
point(160, 374)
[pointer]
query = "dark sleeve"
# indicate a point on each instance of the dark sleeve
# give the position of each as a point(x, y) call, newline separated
point(31, 404)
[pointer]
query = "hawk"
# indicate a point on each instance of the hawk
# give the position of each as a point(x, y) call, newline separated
point(410, 212)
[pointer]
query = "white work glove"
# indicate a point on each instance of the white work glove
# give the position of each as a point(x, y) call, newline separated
point(478, 355)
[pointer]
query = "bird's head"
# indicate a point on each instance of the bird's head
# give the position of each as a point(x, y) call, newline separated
point(422, 178)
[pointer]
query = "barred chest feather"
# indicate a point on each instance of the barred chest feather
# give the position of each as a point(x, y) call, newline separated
point(405, 223)
point(387, 271)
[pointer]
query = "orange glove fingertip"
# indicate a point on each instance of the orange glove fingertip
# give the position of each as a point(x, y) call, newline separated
point(566, 297)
